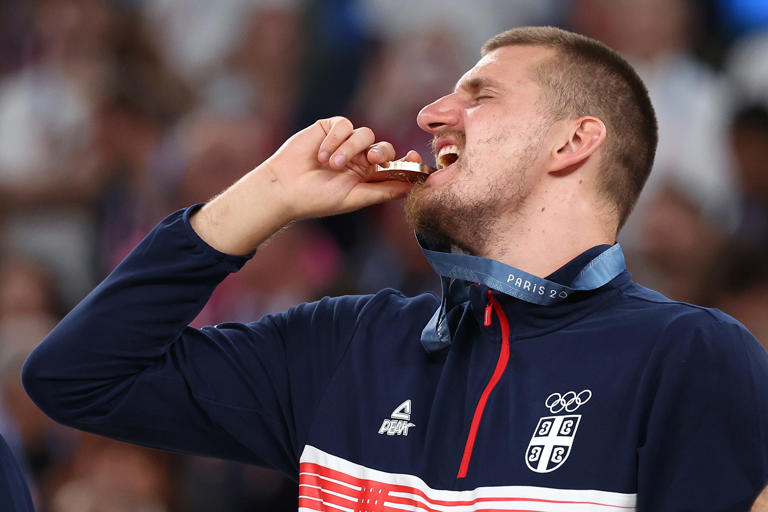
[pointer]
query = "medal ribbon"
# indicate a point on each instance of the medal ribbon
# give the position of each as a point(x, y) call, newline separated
point(508, 280)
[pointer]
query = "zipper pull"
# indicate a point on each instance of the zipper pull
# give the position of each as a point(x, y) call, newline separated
point(488, 310)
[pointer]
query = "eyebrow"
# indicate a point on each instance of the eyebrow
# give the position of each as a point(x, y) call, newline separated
point(477, 83)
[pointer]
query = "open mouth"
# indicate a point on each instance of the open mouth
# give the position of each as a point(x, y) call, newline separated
point(447, 155)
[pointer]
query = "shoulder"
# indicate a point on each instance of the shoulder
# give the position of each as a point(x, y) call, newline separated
point(689, 330)
point(673, 313)
point(387, 303)
point(396, 303)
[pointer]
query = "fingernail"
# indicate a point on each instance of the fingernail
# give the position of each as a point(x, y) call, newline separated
point(323, 156)
point(339, 160)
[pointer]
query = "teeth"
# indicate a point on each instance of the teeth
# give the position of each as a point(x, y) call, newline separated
point(447, 155)
point(448, 149)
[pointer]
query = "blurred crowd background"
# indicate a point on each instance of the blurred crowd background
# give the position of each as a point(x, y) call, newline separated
point(114, 113)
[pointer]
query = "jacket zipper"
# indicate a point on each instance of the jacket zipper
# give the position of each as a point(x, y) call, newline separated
point(501, 365)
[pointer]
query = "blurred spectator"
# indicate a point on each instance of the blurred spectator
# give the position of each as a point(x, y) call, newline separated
point(138, 71)
point(336, 45)
point(46, 173)
point(691, 102)
point(749, 138)
point(27, 290)
point(261, 77)
point(194, 36)
point(742, 285)
point(127, 140)
point(85, 116)
point(107, 476)
point(680, 247)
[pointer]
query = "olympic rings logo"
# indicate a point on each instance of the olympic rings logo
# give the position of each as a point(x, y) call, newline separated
point(568, 402)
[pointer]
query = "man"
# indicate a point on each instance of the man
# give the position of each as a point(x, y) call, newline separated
point(576, 391)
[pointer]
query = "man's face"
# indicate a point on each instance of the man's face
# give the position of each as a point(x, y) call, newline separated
point(493, 124)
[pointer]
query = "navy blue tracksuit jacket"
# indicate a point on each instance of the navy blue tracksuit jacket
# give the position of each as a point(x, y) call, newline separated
point(615, 399)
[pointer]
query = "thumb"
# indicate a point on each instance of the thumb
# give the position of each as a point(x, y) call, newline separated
point(413, 156)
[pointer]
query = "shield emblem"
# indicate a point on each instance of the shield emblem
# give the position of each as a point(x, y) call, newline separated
point(551, 442)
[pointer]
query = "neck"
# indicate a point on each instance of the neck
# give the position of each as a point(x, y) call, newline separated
point(542, 241)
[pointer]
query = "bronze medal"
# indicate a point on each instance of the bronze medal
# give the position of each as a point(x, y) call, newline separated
point(400, 170)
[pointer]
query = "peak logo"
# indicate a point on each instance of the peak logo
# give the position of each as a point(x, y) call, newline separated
point(399, 421)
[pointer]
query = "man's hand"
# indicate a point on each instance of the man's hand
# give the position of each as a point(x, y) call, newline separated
point(323, 169)
point(319, 171)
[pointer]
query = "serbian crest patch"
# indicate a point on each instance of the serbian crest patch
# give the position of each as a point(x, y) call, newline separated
point(553, 436)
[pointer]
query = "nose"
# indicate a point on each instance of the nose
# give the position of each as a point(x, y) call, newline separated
point(439, 115)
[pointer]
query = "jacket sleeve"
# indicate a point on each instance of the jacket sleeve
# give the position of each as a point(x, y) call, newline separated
point(124, 363)
point(706, 444)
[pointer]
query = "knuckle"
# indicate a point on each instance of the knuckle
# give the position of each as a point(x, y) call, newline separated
point(335, 125)
point(366, 132)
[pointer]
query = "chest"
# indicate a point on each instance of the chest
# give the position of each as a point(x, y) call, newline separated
point(540, 415)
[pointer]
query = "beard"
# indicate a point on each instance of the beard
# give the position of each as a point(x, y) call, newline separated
point(451, 220)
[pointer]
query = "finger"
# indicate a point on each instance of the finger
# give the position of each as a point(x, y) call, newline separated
point(381, 152)
point(355, 144)
point(412, 156)
point(337, 130)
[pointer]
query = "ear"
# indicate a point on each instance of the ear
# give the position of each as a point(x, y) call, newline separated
point(578, 140)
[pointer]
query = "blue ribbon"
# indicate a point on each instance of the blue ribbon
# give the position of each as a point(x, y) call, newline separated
point(512, 281)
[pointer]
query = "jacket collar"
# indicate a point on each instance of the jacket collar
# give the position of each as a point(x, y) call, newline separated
point(437, 333)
